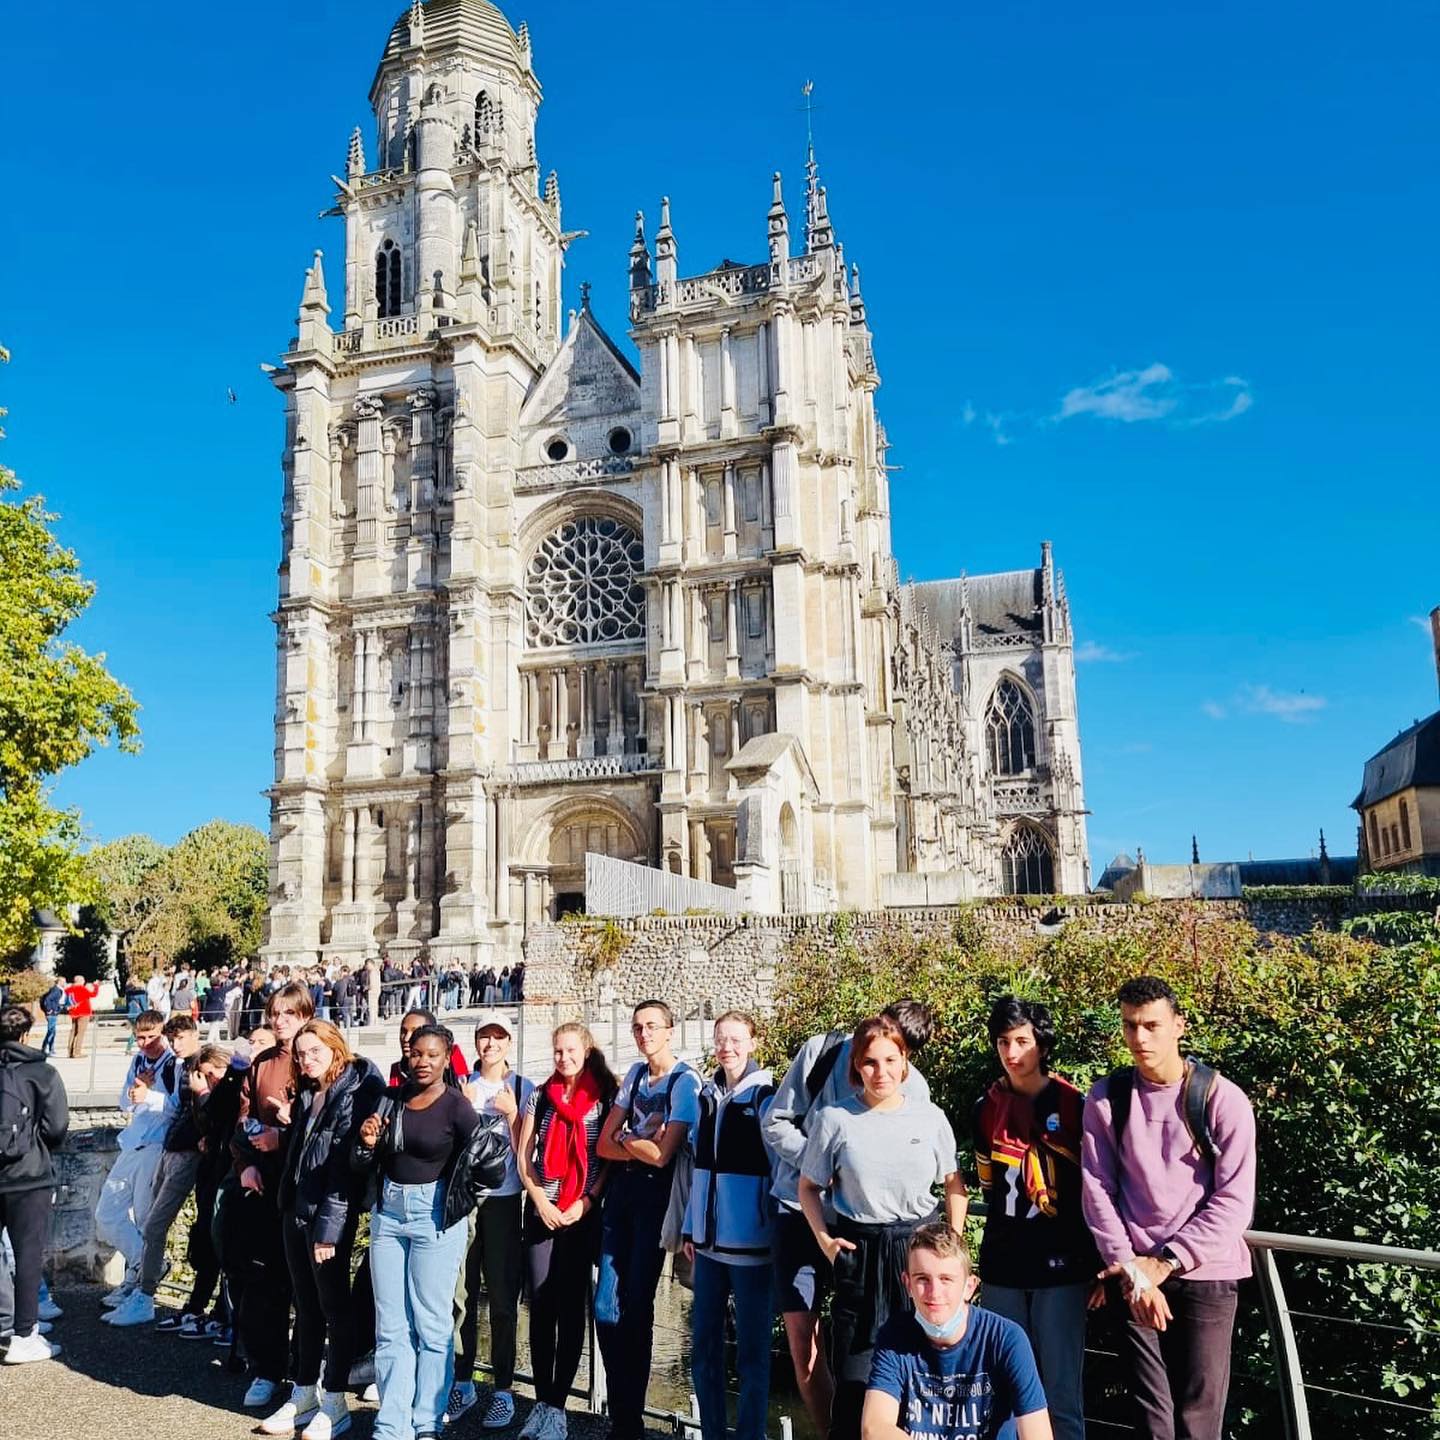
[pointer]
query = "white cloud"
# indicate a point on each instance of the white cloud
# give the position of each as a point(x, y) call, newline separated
point(992, 420)
point(1293, 708)
point(1128, 396)
point(1092, 652)
point(1420, 622)
point(1214, 710)
point(1156, 393)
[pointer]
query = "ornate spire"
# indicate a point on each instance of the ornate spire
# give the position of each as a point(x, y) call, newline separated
point(522, 38)
point(1194, 851)
point(355, 161)
point(857, 300)
point(584, 296)
point(819, 233)
point(313, 300)
point(778, 224)
point(1324, 853)
point(471, 288)
point(639, 255)
point(665, 263)
point(552, 190)
point(417, 23)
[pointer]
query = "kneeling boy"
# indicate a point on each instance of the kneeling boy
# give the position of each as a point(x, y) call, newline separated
point(951, 1371)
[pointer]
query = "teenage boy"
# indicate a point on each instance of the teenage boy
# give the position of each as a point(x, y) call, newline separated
point(494, 1258)
point(950, 1371)
point(1037, 1257)
point(258, 1149)
point(129, 1189)
point(174, 1177)
point(818, 1076)
point(657, 1104)
point(32, 1100)
point(1168, 1185)
point(52, 1006)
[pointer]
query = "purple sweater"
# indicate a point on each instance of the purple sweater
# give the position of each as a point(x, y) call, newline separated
point(1164, 1192)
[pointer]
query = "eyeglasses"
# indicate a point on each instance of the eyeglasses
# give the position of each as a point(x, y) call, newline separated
point(649, 1029)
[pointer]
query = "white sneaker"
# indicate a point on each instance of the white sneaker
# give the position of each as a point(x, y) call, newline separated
point(462, 1398)
point(25, 1348)
point(137, 1308)
point(297, 1410)
point(370, 1395)
point(261, 1392)
point(535, 1421)
point(122, 1292)
point(500, 1412)
point(49, 1310)
point(331, 1419)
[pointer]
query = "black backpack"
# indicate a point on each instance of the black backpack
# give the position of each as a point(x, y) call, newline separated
point(1197, 1087)
point(17, 1119)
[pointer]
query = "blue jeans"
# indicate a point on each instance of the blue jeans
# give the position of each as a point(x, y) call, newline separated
point(48, 1047)
point(413, 1265)
point(752, 1287)
point(1054, 1319)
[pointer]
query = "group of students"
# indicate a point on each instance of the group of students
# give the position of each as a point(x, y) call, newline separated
point(844, 1181)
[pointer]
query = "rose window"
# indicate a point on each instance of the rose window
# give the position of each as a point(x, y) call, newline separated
point(581, 587)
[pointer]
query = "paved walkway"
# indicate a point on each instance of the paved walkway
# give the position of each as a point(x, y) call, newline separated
point(138, 1383)
point(94, 1080)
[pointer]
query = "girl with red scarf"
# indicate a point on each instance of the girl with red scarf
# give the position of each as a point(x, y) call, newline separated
point(562, 1178)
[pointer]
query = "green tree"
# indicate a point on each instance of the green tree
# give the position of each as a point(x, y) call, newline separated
point(57, 704)
point(121, 871)
point(205, 901)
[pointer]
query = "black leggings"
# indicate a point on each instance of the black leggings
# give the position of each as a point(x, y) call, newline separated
point(557, 1270)
point(26, 1215)
point(322, 1307)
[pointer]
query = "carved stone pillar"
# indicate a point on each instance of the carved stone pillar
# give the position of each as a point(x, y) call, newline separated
point(731, 534)
point(585, 745)
point(349, 819)
point(727, 385)
point(368, 411)
point(732, 632)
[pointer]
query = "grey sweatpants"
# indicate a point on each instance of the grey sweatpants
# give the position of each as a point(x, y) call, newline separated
point(174, 1180)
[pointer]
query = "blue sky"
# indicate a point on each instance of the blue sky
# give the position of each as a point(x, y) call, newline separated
point(1153, 282)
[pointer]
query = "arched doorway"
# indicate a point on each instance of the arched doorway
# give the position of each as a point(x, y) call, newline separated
point(792, 881)
point(577, 830)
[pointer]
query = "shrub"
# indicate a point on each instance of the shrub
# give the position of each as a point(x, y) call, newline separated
point(1335, 1039)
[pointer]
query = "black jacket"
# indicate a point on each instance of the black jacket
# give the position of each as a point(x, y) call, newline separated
point(479, 1167)
point(318, 1186)
point(40, 1081)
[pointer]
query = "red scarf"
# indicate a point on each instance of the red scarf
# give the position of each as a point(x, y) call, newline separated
point(567, 1147)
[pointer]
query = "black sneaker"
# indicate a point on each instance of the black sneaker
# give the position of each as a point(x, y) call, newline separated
point(175, 1320)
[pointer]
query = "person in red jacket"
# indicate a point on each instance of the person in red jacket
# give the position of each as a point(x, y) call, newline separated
point(410, 1022)
point(79, 994)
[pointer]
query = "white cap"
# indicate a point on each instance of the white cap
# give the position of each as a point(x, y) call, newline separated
point(488, 1019)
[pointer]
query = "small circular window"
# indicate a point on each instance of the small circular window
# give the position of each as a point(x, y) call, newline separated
point(620, 441)
point(557, 449)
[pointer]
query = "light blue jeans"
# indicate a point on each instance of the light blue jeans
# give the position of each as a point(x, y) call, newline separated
point(1054, 1319)
point(414, 1265)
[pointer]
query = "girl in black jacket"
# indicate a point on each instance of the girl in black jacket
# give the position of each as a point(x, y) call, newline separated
point(34, 1117)
point(320, 1202)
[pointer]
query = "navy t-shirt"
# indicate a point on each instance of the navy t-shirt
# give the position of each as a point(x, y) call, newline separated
point(969, 1391)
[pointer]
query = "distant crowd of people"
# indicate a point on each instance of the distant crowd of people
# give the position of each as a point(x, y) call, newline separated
point(843, 1184)
point(230, 1001)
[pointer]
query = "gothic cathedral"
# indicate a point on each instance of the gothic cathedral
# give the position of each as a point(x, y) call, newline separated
point(544, 598)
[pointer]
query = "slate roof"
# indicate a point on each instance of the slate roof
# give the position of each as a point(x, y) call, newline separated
point(451, 24)
point(1004, 604)
point(1411, 758)
point(1338, 870)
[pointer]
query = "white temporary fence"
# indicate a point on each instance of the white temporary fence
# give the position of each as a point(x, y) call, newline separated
point(621, 888)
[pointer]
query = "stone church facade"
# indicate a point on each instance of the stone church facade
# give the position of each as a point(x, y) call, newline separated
point(538, 600)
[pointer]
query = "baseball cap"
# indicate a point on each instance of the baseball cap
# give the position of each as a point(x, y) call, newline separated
point(488, 1018)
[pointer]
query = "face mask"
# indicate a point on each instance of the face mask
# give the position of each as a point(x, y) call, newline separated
point(947, 1329)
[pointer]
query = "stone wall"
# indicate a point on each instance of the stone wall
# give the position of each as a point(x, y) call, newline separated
point(734, 960)
point(81, 1165)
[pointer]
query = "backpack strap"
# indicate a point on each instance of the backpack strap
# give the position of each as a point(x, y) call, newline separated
point(824, 1065)
point(1196, 1089)
point(1199, 1085)
point(1120, 1089)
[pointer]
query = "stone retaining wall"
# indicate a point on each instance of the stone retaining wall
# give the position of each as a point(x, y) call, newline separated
point(734, 960)
point(81, 1165)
